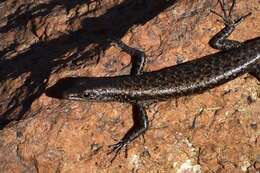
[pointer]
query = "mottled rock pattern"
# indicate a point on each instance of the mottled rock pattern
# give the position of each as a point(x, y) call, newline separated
point(43, 41)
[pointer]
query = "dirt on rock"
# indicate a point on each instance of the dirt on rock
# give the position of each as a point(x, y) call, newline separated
point(44, 41)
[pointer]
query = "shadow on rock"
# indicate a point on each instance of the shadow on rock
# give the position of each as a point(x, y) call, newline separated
point(46, 58)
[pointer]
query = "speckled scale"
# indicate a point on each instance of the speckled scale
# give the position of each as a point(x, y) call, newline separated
point(140, 88)
point(183, 79)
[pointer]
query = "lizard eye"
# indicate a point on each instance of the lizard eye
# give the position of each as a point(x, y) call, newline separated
point(86, 95)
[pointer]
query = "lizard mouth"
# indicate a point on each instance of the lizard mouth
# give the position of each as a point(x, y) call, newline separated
point(74, 97)
point(54, 92)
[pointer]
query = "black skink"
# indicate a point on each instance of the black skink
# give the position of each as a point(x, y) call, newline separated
point(140, 88)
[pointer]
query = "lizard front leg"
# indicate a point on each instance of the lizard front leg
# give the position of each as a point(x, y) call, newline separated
point(140, 119)
point(139, 127)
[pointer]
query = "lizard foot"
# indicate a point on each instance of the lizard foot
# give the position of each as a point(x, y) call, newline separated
point(227, 14)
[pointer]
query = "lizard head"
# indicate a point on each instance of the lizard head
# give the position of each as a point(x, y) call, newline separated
point(80, 88)
point(60, 89)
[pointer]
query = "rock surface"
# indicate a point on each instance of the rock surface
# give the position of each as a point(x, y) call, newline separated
point(43, 41)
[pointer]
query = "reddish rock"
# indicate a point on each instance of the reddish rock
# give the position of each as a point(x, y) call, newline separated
point(43, 41)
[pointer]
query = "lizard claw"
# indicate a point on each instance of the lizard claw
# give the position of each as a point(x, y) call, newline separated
point(227, 16)
point(116, 148)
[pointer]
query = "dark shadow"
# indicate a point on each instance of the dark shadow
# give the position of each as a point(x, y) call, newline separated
point(45, 58)
point(26, 13)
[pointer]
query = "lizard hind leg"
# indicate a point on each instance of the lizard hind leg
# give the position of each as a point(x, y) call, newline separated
point(220, 40)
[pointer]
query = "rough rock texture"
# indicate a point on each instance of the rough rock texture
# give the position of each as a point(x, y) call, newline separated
point(43, 41)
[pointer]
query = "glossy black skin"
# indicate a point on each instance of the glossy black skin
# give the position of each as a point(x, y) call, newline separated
point(183, 79)
point(140, 88)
